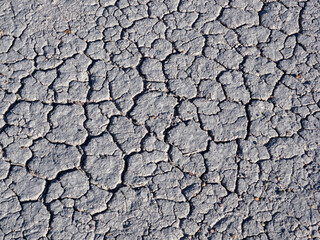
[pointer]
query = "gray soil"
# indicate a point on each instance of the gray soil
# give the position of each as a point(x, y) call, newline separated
point(159, 119)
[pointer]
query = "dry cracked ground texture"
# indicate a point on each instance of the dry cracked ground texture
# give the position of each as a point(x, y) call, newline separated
point(159, 119)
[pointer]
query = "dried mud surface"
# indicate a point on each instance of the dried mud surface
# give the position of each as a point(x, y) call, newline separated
point(159, 119)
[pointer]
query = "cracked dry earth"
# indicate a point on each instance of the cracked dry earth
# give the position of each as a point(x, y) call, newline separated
point(159, 119)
